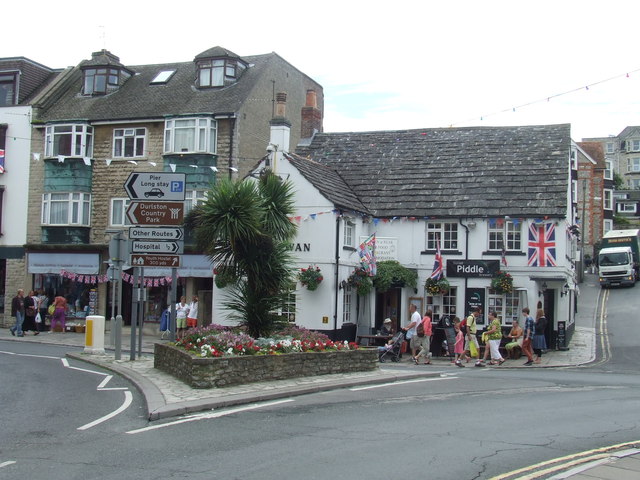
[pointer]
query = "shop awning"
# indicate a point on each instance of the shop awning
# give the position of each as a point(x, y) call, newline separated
point(81, 263)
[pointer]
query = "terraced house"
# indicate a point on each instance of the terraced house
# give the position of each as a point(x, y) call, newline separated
point(102, 120)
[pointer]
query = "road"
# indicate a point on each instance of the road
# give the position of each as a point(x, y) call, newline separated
point(469, 423)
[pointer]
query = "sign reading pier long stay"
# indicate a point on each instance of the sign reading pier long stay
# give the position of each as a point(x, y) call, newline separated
point(162, 186)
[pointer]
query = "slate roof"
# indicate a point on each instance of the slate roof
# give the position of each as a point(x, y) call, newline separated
point(520, 171)
point(137, 99)
point(329, 182)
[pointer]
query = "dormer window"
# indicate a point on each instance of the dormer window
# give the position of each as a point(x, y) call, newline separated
point(8, 88)
point(99, 81)
point(218, 72)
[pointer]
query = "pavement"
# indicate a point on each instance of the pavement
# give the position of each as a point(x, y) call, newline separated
point(168, 397)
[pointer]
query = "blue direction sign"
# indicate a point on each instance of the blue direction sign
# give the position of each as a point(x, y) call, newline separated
point(164, 186)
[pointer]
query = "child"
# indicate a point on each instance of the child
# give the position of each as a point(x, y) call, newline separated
point(459, 345)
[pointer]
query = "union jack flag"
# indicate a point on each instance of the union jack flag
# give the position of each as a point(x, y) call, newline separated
point(436, 274)
point(1, 160)
point(542, 245)
point(367, 252)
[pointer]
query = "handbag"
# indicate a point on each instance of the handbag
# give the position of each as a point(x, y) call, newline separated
point(51, 309)
point(38, 318)
point(473, 350)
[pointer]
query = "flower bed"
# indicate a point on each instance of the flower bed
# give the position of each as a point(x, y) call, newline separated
point(224, 371)
point(218, 356)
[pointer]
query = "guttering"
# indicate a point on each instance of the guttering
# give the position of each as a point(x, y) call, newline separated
point(337, 285)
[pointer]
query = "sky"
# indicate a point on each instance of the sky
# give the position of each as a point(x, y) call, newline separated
point(383, 65)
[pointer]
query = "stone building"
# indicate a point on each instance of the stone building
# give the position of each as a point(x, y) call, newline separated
point(103, 120)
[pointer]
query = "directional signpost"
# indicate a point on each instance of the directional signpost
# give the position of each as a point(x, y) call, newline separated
point(160, 247)
point(156, 211)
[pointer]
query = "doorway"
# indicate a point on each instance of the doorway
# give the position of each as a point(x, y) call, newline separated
point(388, 305)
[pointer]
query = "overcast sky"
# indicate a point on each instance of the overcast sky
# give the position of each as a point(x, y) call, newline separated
point(383, 65)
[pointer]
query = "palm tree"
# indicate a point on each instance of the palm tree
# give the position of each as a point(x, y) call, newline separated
point(244, 228)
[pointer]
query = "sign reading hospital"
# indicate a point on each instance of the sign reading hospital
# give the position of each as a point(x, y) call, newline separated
point(472, 268)
point(162, 186)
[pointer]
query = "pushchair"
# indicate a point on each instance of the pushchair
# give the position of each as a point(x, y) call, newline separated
point(392, 350)
point(164, 323)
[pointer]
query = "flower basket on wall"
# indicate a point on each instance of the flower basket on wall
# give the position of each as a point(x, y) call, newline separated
point(361, 281)
point(502, 282)
point(437, 287)
point(310, 277)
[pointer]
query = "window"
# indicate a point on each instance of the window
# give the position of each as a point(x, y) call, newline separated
point(66, 208)
point(212, 73)
point(69, 141)
point(129, 142)
point(633, 145)
point(633, 164)
point(289, 306)
point(608, 171)
point(190, 135)
point(607, 226)
point(634, 183)
point(347, 303)
point(447, 232)
point(574, 190)
point(446, 308)
point(8, 89)
point(100, 80)
point(505, 234)
point(162, 77)
point(627, 207)
point(574, 158)
point(607, 203)
point(610, 147)
point(193, 198)
point(507, 306)
point(119, 212)
point(349, 233)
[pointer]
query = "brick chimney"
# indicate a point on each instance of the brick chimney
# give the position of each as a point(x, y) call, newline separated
point(311, 116)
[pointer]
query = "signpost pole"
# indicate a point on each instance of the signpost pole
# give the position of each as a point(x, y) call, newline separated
point(141, 305)
point(134, 313)
point(173, 300)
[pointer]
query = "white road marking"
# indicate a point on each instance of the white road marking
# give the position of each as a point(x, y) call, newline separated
point(206, 416)
point(128, 398)
point(6, 464)
point(28, 355)
point(402, 382)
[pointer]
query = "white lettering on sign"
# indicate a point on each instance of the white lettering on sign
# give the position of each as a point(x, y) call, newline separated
point(469, 268)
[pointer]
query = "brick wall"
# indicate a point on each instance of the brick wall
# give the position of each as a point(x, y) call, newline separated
point(227, 371)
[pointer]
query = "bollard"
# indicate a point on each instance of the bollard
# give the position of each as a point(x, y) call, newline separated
point(94, 335)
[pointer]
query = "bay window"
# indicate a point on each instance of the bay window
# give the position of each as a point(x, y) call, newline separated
point(69, 208)
point(74, 140)
point(190, 135)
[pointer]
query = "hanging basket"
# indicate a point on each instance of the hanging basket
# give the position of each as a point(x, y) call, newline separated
point(502, 283)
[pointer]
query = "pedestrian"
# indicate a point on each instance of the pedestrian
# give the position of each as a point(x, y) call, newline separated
point(182, 309)
point(410, 330)
point(17, 310)
point(459, 346)
point(515, 340)
point(192, 317)
point(539, 343)
point(59, 313)
point(494, 337)
point(471, 344)
point(43, 305)
point(30, 311)
point(424, 342)
point(527, 336)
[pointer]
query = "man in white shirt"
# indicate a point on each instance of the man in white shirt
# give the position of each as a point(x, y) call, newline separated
point(411, 336)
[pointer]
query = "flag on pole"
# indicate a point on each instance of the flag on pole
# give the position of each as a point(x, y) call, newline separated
point(1, 160)
point(367, 252)
point(504, 255)
point(436, 274)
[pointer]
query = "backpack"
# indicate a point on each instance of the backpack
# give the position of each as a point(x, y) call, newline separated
point(420, 329)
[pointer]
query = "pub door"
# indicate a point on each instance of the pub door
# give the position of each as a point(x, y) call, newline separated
point(388, 306)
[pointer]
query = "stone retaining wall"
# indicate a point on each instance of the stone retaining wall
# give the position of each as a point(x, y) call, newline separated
point(226, 371)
